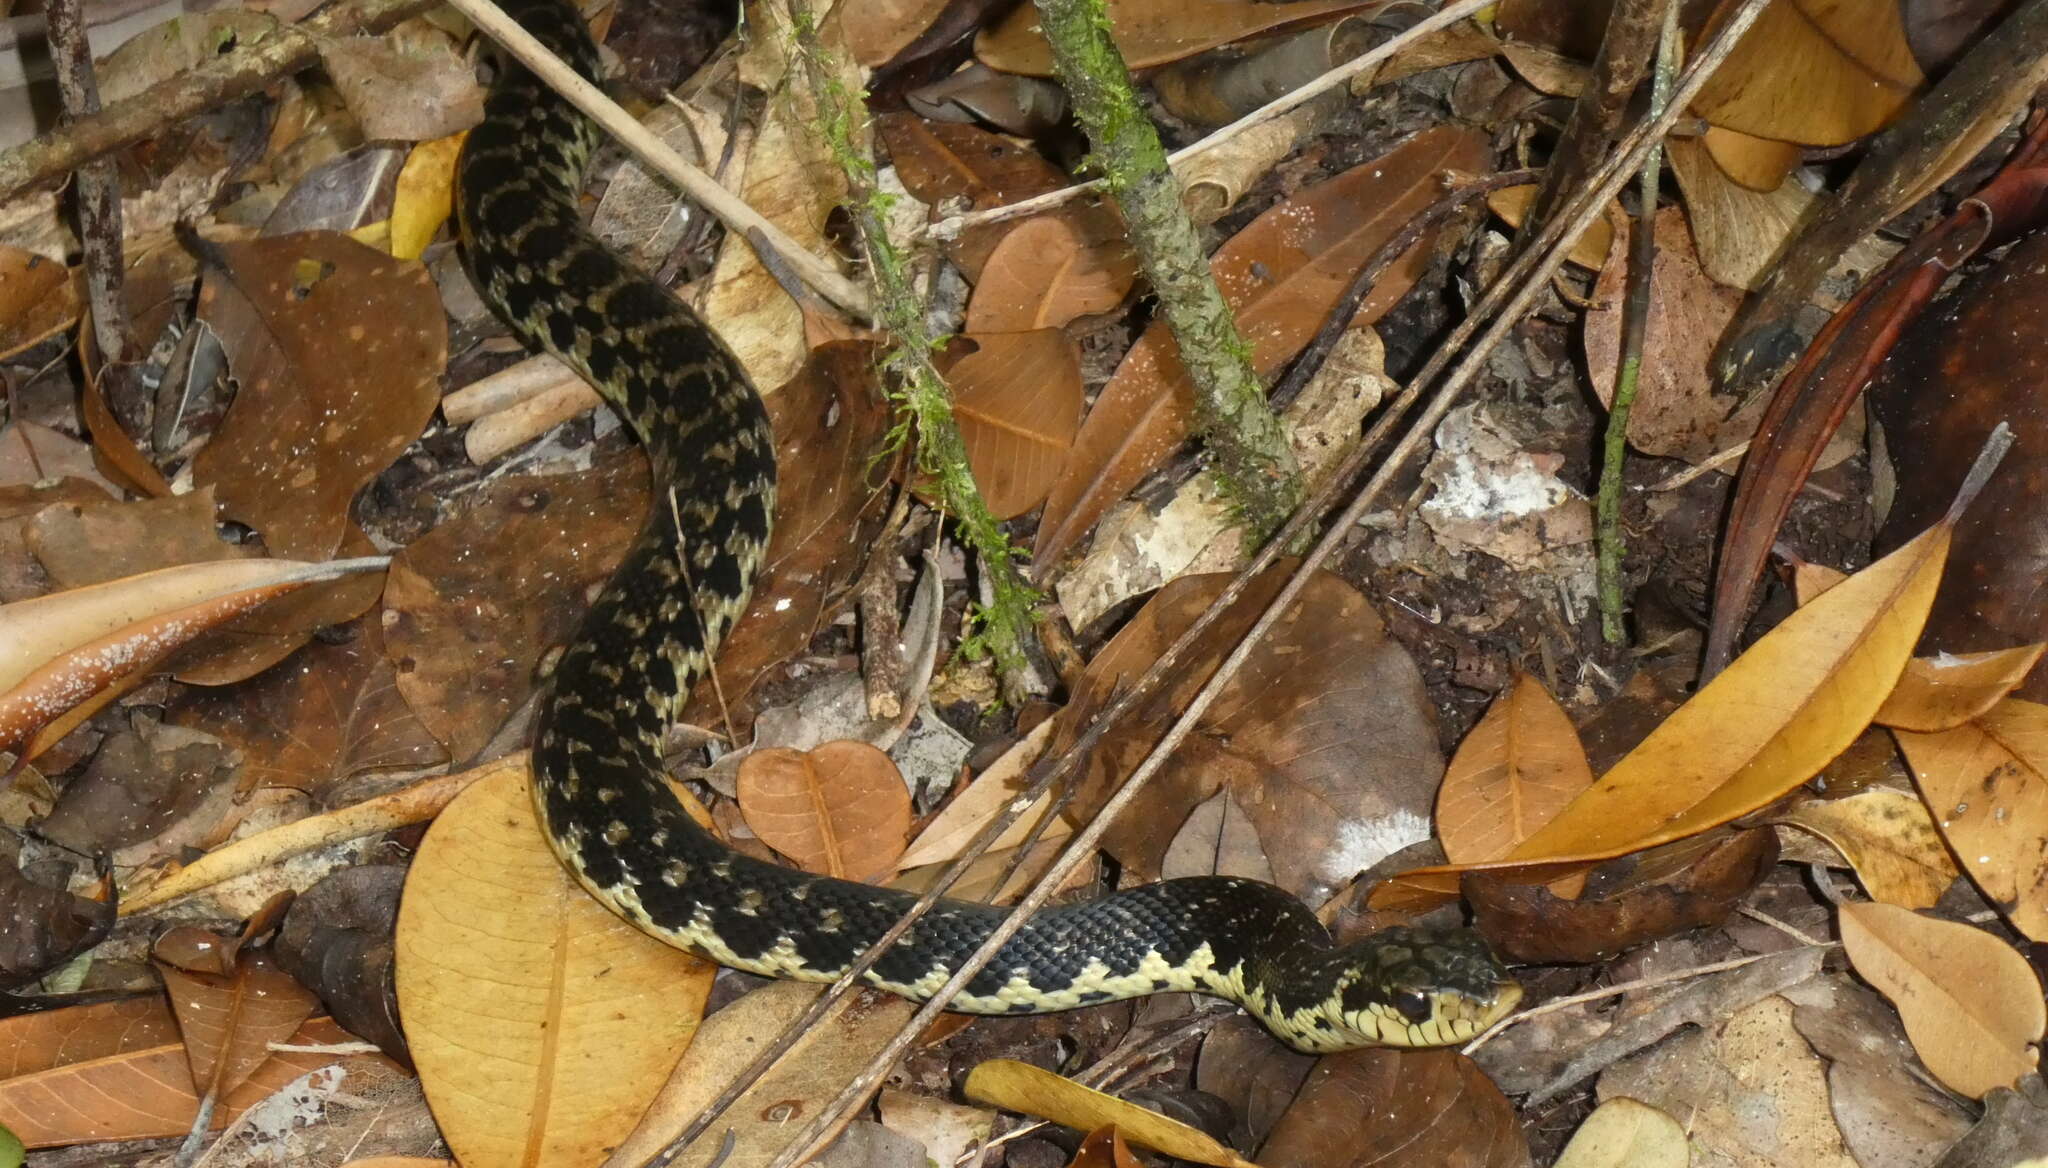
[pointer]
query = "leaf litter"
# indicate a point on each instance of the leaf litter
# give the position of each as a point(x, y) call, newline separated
point(349, 706)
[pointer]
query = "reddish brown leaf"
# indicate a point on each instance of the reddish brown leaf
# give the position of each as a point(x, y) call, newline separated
point(1325, 736)
point(30, 1043)
point(1017, 399)
point(337, 350)
point(1383, 1108)
point(1153, 32)
point(143, 1091)
point(1281, 274)
point(38, 297)
point(841, 809)
point(332, 712)
point(229, 1020)
point(473, 605)
point(1042, 276)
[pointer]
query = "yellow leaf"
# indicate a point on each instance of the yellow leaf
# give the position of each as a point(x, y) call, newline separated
point(1815, 72)
point(1592, 249)
point(1889, 838)
point(424, 196)
point(1759, 164)
point(1626, 1133)
point(1943, 692)
point(1987, 784)
point(541, 1024)
point(1971, 1005)
point(1768, 723)
point(1016, 1086)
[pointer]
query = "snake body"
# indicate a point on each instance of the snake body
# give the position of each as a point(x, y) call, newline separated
point(597, 775)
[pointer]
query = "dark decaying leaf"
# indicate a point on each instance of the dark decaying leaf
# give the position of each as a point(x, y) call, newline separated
point(337, 351)
point(1281, 276)
point(337, 942)
point(332, 712)
point(473, 605)
point(1680, 886)
point(1383, 1108)
point(1955, 375)
point(1242, 1065)
point(229, 1020)
point(1325, 737)
point(135, 786)
point(43, 927)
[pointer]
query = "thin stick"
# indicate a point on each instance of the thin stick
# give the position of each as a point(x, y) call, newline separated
point(97, 185)
point(660, 157)
point(951, 228)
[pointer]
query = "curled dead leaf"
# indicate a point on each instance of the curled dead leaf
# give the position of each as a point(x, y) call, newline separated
point(1944, 691)
point(1021, 1087)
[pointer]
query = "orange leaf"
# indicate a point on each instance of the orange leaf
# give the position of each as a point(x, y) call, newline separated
point(1017, 398)
point(1514, 772)
point(1941, 693)
point(841, 808)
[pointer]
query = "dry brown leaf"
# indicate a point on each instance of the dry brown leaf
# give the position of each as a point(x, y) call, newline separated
point(74, 1034)
point(1987, 784)
point(337, 350)
point(1016, 1086)
point(1971, 1005)
point(59, 650)
point(1516, 769)
point(1386, 1108)
point(1153, 32)
point(541, 1023)
point(1943, 692)
point(46, 926)
point(472, 606)
point(1889, 838)
point(767, 1113)
point(143, 1089)
point(877, 29)
point(1766, 724)
point(31, 453)
point(332, 712)
point(841, 808)
point(39, 298)
point(228, 1021)
point(1677, 412)
point(1816, 72)
point(1104, 1148)
point(1017, 398)
point(1042, 275)
point(1324, 735)
point(948, 160)
point(1281, 275)
point(987, 796)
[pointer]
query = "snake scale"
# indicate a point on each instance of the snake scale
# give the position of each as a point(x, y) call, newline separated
point(598, 784)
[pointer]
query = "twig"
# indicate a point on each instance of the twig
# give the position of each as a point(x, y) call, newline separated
point(1635, 325)
point(234, 74)
point(660, 157)
point(881, 664)
point(951, 228)
point(97, 185)
point(1556, 1004)
point(1253, 463)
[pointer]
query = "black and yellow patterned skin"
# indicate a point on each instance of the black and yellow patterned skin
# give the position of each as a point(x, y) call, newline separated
point(597, 778)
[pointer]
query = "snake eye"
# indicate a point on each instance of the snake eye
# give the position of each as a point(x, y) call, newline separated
point(1413, 1004)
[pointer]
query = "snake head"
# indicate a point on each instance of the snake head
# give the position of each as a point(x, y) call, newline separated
point(1419, 987)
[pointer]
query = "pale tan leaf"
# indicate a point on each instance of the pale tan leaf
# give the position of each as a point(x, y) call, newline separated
point(841, 808)
point(541, 1023)
point(767, 1115)
point(987, 796)
point(1987, 785)
point(1945, 691)
point(1021, 1087)
point(1889, 838)
point(1625, 1133)
point(1971, 1005)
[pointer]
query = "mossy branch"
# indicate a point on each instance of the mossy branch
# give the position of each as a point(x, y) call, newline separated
point(1005, 623)
point(1245, 440)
